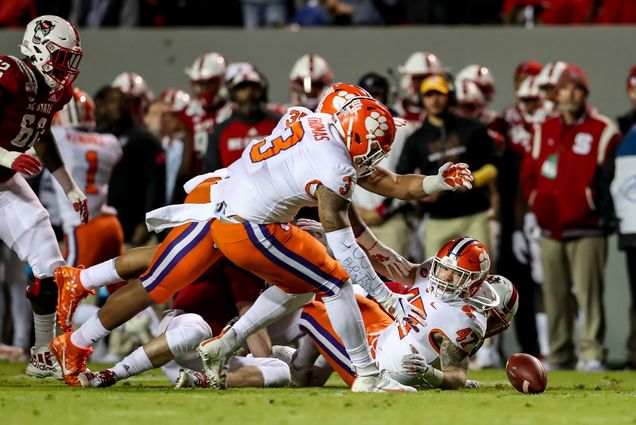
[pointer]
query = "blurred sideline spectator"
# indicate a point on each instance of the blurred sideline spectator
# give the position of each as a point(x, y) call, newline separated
point(623, 192)
point(137, 184)
point(105, 13)
point(17, 13)
point(445, 136)
point(626, 121)
point(616, 12)
point(264, 13)
point(566, 182)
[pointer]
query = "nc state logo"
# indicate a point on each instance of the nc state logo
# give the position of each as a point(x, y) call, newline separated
point(424, 272)
point(42, 29)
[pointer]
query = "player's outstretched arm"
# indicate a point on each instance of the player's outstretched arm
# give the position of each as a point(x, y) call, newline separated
point(333, 211)
point(415, 186)
point(47, 150)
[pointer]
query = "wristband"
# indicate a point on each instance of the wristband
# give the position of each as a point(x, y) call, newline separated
point(431, 185)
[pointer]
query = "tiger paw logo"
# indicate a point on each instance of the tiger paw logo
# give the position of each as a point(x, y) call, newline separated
point(41, 30)
point(376, 124)
point(341, 98)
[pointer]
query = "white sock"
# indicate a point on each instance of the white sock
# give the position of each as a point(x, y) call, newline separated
point(270, 306)
point(307, 353)
point(44, 328)
point(133, 364)
point(89, 333)
point(346, 320)
point(100, 275)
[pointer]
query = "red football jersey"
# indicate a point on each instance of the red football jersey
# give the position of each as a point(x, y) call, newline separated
point(27, 106)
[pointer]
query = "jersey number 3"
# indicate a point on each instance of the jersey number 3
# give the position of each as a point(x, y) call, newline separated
point(289, 137)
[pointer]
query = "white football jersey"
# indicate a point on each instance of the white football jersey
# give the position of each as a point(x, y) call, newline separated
point(461, 323)
point(90, 159)
point(278, 175)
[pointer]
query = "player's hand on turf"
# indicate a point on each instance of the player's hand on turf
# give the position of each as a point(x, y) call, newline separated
point(415, 363)
point(314, 228)
point(396, 265)
point(398, 306)
point(80, 203)
point(471, 384)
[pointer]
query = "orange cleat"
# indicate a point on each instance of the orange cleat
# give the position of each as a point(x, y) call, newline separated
point(70, 293)
point(72, 359)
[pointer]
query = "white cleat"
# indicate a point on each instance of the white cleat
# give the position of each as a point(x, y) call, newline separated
point(43, 364)
point(104, 378)
point(216, 362)
point(191, 379)
point(381, 383)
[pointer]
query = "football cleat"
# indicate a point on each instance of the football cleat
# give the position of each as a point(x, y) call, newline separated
point(70, 293)
point(43, 364)
point(380, 383)
point(216, 361)
point(104, 378)
point(191, 379)
point(72, 359)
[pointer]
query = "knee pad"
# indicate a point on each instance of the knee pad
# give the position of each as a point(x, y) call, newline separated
point(185, 332)
point(43, 293)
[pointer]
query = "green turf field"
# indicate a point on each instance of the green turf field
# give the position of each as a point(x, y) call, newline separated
point(572, 398)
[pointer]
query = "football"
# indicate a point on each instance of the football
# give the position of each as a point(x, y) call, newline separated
point(526, 373)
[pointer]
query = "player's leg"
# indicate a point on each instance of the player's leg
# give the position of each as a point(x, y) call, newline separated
point(21, 313)
point(25, 228)
point(293, 260)
point(182, 257)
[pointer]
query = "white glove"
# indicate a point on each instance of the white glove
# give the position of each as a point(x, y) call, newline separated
point(449, 177)
point(314, 228)
point(80, 203)
point(416, 364)
point(471, 384)
point(396, 265)
point(73, 193)
point(398, 306)
point(520, 246)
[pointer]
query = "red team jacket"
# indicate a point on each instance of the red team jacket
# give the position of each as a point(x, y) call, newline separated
point(27, 106)
point(563, 174)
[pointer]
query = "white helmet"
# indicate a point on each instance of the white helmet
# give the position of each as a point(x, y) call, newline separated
point(206, 77)
point(134, 85)
point(528, 89)
point(550, 74)
point(505, 310)
point(309, 76)
point(53, 45)
point(206, 66)
point(416, 68)
point(481, 76)
point(469, 96)
point(177, 100)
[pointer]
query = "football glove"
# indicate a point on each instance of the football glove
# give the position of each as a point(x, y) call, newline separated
point(23, 163)
point(449, 177)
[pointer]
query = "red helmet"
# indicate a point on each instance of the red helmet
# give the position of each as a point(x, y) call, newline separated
point(368, 131)
point(335, 97)
point(527, 68)
point(78, 112)
point(481, 76)
point(459, 269)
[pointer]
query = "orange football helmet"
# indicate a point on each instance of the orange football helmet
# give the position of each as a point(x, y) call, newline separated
point(335, 97)
point(78, 112)
point(368, 131)
point(459, 269)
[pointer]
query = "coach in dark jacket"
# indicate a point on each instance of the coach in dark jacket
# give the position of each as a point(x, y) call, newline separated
point(138, 182)
point(445, 137)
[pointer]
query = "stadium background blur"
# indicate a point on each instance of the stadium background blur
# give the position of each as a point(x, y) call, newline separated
point(161, 54)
